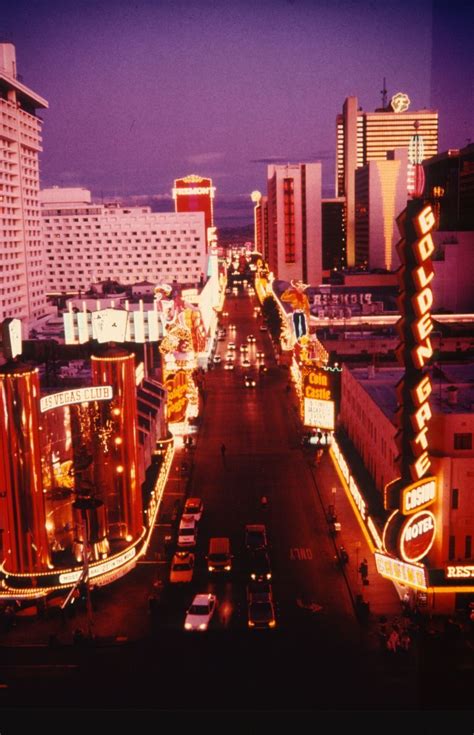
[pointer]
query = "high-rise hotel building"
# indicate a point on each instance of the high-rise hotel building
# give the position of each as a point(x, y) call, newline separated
point(86, 243)
point(369, 136)
point(22, 288)
point(294, 222)
point(195, 194)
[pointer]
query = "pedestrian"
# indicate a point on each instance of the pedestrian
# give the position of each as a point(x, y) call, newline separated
point(223, 450)
point(393, 642)
point(364, 570)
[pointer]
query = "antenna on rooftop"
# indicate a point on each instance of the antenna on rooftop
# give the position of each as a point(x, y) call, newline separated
point(383, 92)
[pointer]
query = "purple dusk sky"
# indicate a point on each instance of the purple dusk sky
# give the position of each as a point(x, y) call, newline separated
point(144, 91)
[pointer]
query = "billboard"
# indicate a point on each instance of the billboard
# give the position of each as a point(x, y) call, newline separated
point(318, 398)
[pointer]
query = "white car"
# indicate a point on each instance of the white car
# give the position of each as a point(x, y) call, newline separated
point(251, 339)
point(200, 613)
point(244, 348)
point(231, 346)
point(230, 357)
point(216, 359)
point(246, 363)
point(229, 365)
point(187, 532)
point(182, 567)
point(193, 508)
point(260, 355)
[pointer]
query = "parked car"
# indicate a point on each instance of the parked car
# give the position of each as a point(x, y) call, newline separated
point(193, 508)
point(200, 612)
point(187, 532)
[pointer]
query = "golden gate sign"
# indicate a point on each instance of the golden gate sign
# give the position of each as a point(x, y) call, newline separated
point(414, 491)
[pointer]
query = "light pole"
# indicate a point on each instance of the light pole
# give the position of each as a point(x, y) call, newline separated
point(334, 492)
point(357, 546)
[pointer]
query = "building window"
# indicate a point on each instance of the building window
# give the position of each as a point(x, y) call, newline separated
point(289, 219)
point(452, 548)
point(463, 441)
point(468, 547)
point(455, 498)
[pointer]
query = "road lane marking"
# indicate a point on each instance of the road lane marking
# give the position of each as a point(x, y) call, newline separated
point(301, 553)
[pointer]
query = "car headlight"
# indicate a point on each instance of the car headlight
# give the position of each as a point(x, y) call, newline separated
point(188, 626)
point(251, 624)
point(211, 569)
point(272, 623)
point(227, 568)
point(203, 626)
point(269, 575)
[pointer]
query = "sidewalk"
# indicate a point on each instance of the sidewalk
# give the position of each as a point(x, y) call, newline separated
point(380, 593)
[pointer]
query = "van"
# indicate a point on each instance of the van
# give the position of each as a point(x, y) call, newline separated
point(219, 558)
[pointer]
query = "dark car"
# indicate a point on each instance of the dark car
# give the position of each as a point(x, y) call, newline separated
point(255, 537)
point(258, 566)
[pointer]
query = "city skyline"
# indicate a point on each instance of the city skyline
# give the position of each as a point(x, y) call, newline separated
point(267, 87)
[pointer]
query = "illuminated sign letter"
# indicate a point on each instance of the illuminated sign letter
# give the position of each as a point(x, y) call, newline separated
point(423, 301)
point(425, 220)
point(421, 416)
point(423, 327)
point(421, 466)
point(422, 353)
point(422, 391)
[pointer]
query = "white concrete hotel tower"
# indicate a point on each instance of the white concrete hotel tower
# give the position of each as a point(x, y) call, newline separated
point(22, 291)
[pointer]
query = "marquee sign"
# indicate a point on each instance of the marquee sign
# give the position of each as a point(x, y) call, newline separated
point(318, 403)
point(76, 395)
point(412, 575)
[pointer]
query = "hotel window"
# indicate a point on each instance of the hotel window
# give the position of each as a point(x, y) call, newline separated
point(463, 441)
point(455, 498)
point(289, 220)
point(452, 548)
point(468, 547)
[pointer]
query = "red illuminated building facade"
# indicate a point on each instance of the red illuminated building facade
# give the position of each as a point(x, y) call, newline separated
point(195, 194)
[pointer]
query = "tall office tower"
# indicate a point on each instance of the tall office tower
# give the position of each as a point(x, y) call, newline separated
point(452, 88)
point(449, 184)
point(22, 291)
point(380, 195)
point(333, 234)
point(294, 222)
point(87, 243)
point(195, 194)
point(260, 217)
point(369, 136)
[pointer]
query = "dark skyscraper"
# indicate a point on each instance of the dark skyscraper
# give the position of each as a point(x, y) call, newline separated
point(452, 72)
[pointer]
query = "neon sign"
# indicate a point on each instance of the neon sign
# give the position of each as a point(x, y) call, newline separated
point(99, 569)
point(415, 326)
point(400, 571)
point(417, 536)
point(76, 395)
point(419, 495)
point(456, 572)
point(194, 191)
